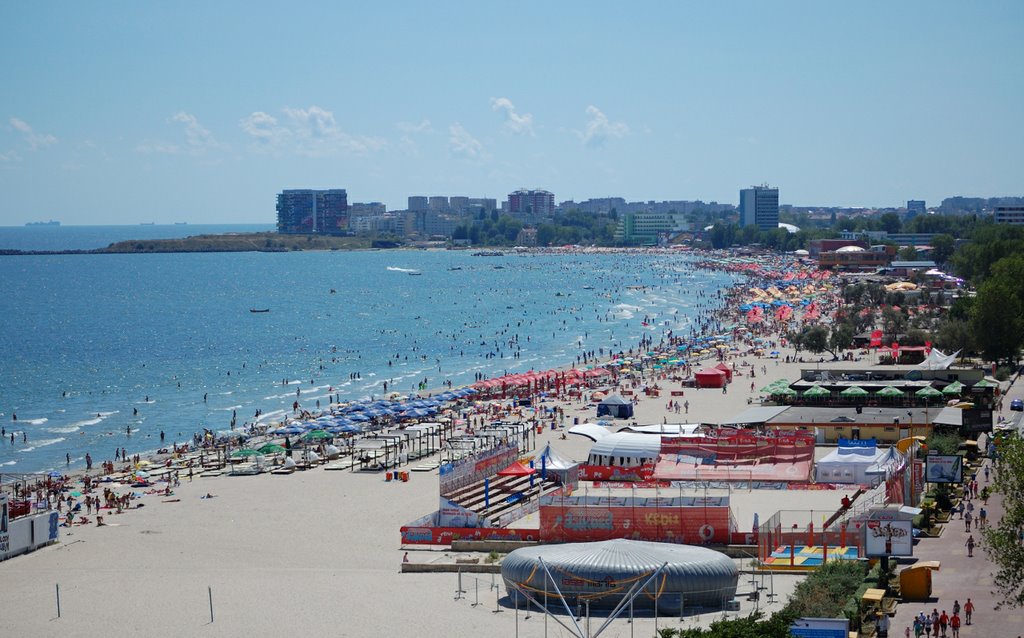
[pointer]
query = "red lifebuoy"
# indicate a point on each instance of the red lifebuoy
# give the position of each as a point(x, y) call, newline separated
point(706, 532)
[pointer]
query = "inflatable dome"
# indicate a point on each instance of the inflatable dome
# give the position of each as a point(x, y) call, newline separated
point(603, 572)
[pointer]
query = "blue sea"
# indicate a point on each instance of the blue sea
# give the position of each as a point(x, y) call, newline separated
point(101, 352)
point(52, 238)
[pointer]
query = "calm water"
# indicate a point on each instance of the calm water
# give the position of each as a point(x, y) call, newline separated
point(88, 340)
point(89, 237)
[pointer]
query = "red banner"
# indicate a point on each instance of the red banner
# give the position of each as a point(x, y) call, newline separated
point(616, 473)
point(691, 525)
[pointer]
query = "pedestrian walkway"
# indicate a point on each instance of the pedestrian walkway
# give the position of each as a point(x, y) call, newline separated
point(961, 578)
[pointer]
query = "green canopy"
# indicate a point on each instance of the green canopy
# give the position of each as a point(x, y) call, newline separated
point(928, 392)
point(890, 391)
point(985, 383)
point(272, 448)
point(953, 388)
point(318, 435)
point(775, 385)
point(246, 452)
point(784, 391)
point(854, 391)
point(817, 391)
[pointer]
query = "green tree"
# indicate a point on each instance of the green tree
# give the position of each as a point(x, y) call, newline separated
point(908, 253)
point(890, 222)
point(996, 322)
point(1002, 539)
point(942, 248)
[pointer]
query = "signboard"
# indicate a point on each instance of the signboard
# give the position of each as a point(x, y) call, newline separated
point(866, 443)
point(5, 516)
point(820, 628)
point(889, 538)
point(944, 469)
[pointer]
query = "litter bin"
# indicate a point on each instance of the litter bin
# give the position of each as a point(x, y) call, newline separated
point(575, 420)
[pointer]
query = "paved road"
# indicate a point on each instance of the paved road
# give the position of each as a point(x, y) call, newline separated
point(961, 577)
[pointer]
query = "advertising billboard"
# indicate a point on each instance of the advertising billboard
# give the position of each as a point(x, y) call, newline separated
point(944, 469)
point(889, 538)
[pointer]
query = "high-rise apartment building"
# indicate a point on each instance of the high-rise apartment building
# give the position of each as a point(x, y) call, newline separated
point(312, 211)
point(531, 203)
point(916, 207)
point(418, 202)
point(1009, 215)
point(759, 206)
point(439, 203)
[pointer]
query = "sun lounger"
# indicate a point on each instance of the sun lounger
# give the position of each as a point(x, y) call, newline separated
point(336, 466)
point(283, 470)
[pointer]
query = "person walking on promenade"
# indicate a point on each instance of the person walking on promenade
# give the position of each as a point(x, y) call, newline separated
point(935, 622)
point(956, 607)
point(970, 547)
point(982, 517)
point(967, 521)
point(918, 627)
point(968, 611)
point(954, 624)
point(943, 622)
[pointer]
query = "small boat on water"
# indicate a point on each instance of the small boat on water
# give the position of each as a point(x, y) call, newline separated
point(415, 272)
point(259, 309)
point(455, 268)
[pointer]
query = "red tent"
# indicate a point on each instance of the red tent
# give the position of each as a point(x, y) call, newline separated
point(710, 378)
point(517, 469)
point(726, 369)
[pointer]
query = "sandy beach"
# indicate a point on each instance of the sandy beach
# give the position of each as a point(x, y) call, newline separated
point(319, 551)
point(315, 551)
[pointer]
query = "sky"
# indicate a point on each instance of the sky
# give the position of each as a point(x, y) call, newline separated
point(125, 112)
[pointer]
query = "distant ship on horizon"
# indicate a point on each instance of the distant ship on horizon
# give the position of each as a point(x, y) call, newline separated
point(49, 223)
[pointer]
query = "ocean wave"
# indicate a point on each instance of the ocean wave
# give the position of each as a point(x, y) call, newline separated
point(397, 269)
point(42, 443)
point(33, 421)
point(9, 463)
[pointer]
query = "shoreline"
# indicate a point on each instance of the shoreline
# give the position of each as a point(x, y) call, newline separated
point(723, 311)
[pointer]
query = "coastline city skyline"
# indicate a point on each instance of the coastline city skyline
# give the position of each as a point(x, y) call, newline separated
point(179, 119)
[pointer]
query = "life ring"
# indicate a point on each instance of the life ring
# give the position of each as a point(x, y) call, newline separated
point(706, 532)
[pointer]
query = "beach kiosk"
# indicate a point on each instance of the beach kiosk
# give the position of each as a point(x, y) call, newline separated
point(916, 580)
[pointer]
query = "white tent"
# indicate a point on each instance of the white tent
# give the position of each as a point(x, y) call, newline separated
point(553, 460)
point(627, 449)
point(938, 361)
point(592, 431)
point(857, 465)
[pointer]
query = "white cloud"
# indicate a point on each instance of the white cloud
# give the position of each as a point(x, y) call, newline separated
point(462, 144)
point(34, 140)
point(424, 126)
point(515, 122)
point(599, 128)
point(10, 156)
point(198, 139)
point(313, 132)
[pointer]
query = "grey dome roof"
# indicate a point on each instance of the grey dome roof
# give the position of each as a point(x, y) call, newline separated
point(602, 572)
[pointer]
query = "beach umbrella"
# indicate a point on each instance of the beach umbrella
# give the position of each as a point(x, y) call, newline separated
point(854, 391)
point(928, 392)
point(55, 474)
point(890, 392)
point(271, 448)
point(953, 388)
point(244, 452)
point(784, 391)
point(318, 435)
point(984, 383)
point(817, 391)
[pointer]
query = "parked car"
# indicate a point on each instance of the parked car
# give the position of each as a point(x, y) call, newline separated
point(1017, 405)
